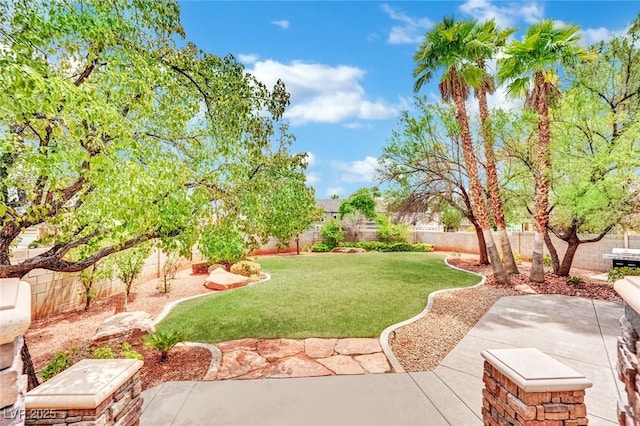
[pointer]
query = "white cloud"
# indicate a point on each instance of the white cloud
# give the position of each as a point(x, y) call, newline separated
point(282, 23)
point(335, 190)
point(505, 15)
point(323, 93)
point(595, 35)
point(248, 58)
point(410, 31)
point(356, 171)
point(313, 178)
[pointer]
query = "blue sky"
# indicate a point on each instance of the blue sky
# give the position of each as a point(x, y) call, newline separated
point(348, 64)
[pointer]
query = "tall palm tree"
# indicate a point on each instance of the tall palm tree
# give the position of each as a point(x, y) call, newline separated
point(450, 46)
point(531, 68)
point(490, 39)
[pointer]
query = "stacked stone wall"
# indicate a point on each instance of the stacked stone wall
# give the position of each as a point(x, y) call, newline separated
point(629, 368)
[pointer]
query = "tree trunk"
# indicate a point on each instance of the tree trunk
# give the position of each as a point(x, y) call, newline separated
point(297, 244)
point(482, 246)
point(537, 266)
point(28, 369)
point(555, 260)
point(541, 214)
point(567, 260)
point(88, 301)
point(479, 207)
point(508, 260)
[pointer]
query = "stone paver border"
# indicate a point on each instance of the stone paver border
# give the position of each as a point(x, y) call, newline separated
point(384, 336)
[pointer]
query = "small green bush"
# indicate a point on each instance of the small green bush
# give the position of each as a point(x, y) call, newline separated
point(321, 247)
point(332, 231)
point(618, 273)
point(60, 362)
point(129, 353)
point(103, 352)
point(575, 280)
point(546, 261)
point(163, 342)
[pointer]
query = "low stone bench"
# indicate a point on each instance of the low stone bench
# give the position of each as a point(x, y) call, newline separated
point(94, 391)
point(525, 387)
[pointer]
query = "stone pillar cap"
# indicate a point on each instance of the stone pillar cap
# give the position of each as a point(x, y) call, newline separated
point(534, 371)
point(84, 385)
point(629, 289)
point(15, 308)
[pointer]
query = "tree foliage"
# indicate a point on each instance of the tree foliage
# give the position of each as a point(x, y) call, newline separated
point(115, 135)
point(363, 201)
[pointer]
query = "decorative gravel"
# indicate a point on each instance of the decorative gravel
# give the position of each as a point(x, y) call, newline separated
point(420, 346)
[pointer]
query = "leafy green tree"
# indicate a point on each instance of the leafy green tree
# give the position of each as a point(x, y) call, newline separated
point(530, 68)
point(422, 163)
point(129, 264)
point(363, 200)
point(450, 218)
point(88, 277)
point(223, 243)
point(596, 132)
point(451, 46)
point(113, 135)
point(332, 232)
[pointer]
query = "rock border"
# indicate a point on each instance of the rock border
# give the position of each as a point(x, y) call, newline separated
point(384, 336)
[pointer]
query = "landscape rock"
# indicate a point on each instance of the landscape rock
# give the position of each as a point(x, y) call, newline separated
point(220, 279)
point(279, 348)
point(319, 348)
point(342, 364)
point(123, 327)
point(374, 363)
point(239, 362)
point(523, 288)
point(296, 366)
point(358, 346)
point(347, 250)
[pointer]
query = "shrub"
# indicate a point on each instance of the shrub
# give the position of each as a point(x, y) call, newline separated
point(60, 362)
point(103, 352)
point(389, 247)
point(391, 232)
point(575, 280)
point(517, 257)
point(546, 261)
point(163, 342)
point(332, 232)
point(321, 247)
point(246, 268)
point(129, 353)
point(618, 273)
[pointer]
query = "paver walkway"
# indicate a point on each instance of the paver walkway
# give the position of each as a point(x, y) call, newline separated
point(257, 359)
point(578, 332)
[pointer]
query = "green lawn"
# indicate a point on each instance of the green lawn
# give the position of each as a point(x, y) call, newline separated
point(328, 295)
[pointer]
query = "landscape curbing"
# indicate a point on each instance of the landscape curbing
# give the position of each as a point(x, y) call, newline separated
point(384, 336)
point(171, 305)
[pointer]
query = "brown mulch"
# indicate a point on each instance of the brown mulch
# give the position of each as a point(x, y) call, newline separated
point(185, 363)
point(553, 284)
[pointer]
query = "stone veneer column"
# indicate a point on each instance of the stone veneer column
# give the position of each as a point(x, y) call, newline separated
point(525, 387)
point(629, 351)
point(15, 317)
point(100, 392)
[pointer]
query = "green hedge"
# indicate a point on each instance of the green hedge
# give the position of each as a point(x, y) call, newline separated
point(389, 247)
point(321, 247)
point(618, 273)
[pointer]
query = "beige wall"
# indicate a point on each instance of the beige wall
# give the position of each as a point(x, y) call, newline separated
point(53, 292)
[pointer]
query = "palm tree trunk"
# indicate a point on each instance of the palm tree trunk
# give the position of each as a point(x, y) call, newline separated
point(541, 214)
point(508, 260)
point(499, 273)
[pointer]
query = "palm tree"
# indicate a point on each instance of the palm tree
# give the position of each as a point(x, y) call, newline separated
point(450, 46)
point(489, 39)
point(531, 68)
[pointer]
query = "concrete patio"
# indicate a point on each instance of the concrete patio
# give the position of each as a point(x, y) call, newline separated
point(580, 333)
